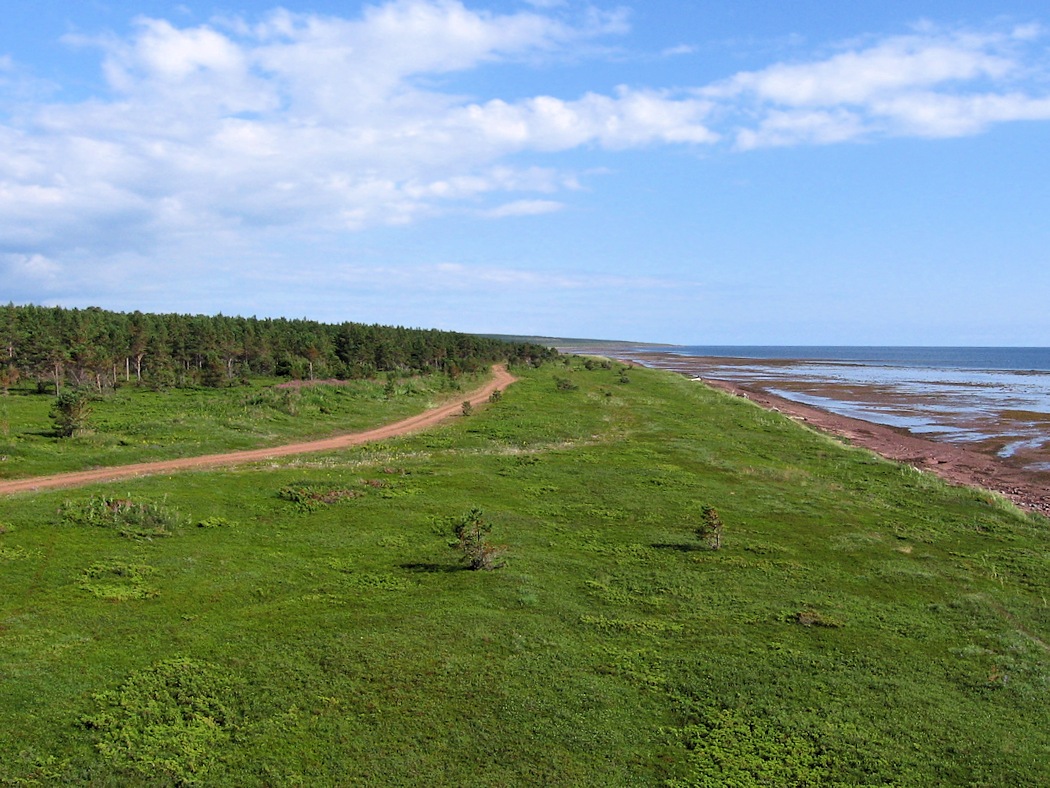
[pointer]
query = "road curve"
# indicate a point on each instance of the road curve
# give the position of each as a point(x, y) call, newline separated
point(501, 379)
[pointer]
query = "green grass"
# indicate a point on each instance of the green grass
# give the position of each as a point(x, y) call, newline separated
point(136, 424)
point(863, 623)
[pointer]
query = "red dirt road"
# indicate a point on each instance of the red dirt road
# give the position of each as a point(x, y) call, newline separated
point(501, 379)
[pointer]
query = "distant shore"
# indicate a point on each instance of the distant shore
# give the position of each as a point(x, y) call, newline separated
point(957, 464)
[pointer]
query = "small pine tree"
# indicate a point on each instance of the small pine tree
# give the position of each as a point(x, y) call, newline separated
point(710, 529)
point(71, 411)
point(472, 534)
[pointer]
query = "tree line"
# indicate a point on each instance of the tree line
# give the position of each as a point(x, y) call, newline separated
point(56, 347)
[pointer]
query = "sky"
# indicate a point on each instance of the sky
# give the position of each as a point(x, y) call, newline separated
point(680, 171)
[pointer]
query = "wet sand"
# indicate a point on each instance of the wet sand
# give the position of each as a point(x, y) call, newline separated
point(975, 464)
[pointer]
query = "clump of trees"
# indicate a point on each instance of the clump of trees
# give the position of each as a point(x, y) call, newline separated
point(55, 348)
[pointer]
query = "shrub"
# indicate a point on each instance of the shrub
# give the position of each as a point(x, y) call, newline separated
point(814, 618)
point(472, 535)
point(710, 529)
point(467, 408)
point(310, 496)
point(170, 722)
point(214, 522)
point(564, 384)
point(71, 412)
point(133, 520)
point(496, 395)
point(118, 581)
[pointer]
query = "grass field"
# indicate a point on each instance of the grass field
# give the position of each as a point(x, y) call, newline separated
point(309, 622)
point(136, 424)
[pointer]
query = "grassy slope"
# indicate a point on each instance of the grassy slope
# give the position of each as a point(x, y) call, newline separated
point(343, 645)
point(138, 425)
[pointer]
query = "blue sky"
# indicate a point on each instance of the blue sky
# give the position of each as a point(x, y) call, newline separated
point(669, 171)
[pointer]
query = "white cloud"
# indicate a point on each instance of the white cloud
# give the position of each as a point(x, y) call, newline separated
point(631, 118)
point(307, 121)
point(212, 136)
point(525, 208)
point(930, 83)
point(30, 266)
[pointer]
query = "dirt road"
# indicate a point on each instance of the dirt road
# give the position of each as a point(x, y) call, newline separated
point(501, 379)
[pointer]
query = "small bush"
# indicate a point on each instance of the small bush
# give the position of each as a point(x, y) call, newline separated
point(214, 522)
point(710, 529)
point(71, 412)
point(118, 582)
point(564, 384)
point(467, 408)
point(171, 722)
point(496, 396)
point(472, 535)
point(814, 618)
point(310, 496)
point(131, 519)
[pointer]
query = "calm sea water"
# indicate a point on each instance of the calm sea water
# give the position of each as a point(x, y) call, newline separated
point(1035, 359)
point(996, 396)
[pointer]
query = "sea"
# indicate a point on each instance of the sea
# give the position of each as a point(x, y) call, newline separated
point(997, 399)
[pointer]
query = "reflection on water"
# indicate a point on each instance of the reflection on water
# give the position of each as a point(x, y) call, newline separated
point(1007, 408)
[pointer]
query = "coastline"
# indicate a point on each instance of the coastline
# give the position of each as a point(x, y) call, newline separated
point(954, 463)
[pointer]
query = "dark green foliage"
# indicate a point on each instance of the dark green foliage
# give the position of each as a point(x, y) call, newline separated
point(467, 408)
point(50, 347)
point(472, 535)
point(130, 519)
point(71, 412)
point(496, 395)
point(730, 747)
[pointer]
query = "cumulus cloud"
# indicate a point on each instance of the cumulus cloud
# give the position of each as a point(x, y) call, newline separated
point(929, 83)
point(308, 121)
point(209, 136)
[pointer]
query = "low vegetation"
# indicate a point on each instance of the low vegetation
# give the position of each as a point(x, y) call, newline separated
point(860, 624)
point(138, 424)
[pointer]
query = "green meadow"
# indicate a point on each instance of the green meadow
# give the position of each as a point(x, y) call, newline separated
point(311, 621)
point(136, 424)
